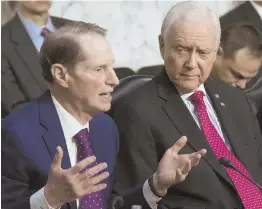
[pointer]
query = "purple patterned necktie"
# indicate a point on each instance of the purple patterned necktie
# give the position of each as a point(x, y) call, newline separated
point(44, 32)
point(84, 149)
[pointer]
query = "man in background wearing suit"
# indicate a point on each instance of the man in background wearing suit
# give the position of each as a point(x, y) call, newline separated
point(239, 56)
point(239, 59)
point(184, 100)
point(22, 38)
point(66, 124)
point(248, 11)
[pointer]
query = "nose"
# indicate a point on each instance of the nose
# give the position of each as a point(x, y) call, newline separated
point(241, 83)
point(191, 61)
point(112, 79)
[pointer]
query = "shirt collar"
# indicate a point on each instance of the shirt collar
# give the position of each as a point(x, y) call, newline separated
point(69, 124)
point(258, 8)
point(33, 29)
point(187, 95)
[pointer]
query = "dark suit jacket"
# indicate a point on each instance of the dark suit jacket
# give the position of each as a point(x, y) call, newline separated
point(22, 78)
point(30, 136)
point(244, 12)
point(153, 117)
point(29, 140)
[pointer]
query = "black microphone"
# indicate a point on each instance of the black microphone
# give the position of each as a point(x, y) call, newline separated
point(227, 163)
point(116, 202)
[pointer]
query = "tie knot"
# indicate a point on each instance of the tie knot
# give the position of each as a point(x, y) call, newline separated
point(82, 136)
point(197, 97)
point(44, 32)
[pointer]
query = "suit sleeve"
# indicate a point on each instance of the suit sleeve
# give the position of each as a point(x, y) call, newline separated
point(12, 96)
point(137, 158)
point(16, 174)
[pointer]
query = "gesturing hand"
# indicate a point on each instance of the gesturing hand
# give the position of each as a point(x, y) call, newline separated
point(66, 185)
point(174, 168)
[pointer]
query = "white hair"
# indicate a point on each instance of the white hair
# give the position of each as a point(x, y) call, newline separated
point(190, 11)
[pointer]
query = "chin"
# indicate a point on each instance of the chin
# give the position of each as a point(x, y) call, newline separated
point(105, 108)
point(43, 7)
point(188, 86)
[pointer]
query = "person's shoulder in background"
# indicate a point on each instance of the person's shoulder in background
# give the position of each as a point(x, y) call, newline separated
point(7, 26)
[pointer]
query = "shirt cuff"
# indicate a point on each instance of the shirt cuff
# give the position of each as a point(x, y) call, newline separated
point(38, 201)
point(150, 198)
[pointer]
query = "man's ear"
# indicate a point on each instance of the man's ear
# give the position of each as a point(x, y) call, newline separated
point(60, 74)
point(220, 52)
point(161, 45)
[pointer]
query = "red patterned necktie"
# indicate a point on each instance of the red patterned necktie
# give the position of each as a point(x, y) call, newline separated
point(84, 149)
point(250, 195)
point(44, 32)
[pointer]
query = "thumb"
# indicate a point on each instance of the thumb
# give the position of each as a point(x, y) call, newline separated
point(180, 143)
point(58, 157)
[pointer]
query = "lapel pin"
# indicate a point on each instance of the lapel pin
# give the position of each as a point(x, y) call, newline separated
point(222, 104)
point(216, 95)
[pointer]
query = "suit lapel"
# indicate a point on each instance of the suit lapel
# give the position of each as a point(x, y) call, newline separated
point(53, 135)
point(223, 110)
point(26, 50)
point(96, 141)
point(185, 124)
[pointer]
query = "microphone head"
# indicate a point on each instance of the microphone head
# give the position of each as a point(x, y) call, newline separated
point(117, 202)
point(226, 162)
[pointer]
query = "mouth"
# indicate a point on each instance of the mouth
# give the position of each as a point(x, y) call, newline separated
point(106, 96)
point(189, 76)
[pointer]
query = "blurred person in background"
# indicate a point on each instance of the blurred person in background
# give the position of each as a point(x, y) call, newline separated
point(239, 56)
point(239, 59)
point(8, 10)
point(247, 11)
point(22, 38)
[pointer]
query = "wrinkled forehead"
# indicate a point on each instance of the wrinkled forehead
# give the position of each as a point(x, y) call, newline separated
point(203, 33)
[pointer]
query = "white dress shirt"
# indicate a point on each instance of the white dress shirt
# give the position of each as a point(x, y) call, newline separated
point(211, 113)
point(70, 128)
point(258, 8)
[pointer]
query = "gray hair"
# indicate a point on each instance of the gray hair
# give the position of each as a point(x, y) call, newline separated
point(190, 11)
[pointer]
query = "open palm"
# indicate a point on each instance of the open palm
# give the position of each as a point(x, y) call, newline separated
point(173, 168)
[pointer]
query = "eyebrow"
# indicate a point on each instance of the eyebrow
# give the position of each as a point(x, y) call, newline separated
point(181, 44)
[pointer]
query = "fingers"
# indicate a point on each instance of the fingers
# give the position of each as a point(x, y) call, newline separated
point(202, 152)
point(96, 169)
point(92, 171)
point(195, 157)
point(195, 160)
point(185, 170)
point(96, 179)
point(94, 189)
point(82, 164)
point(180, 143)
point(58, 158)
point(180, 176)
point(94, 183)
